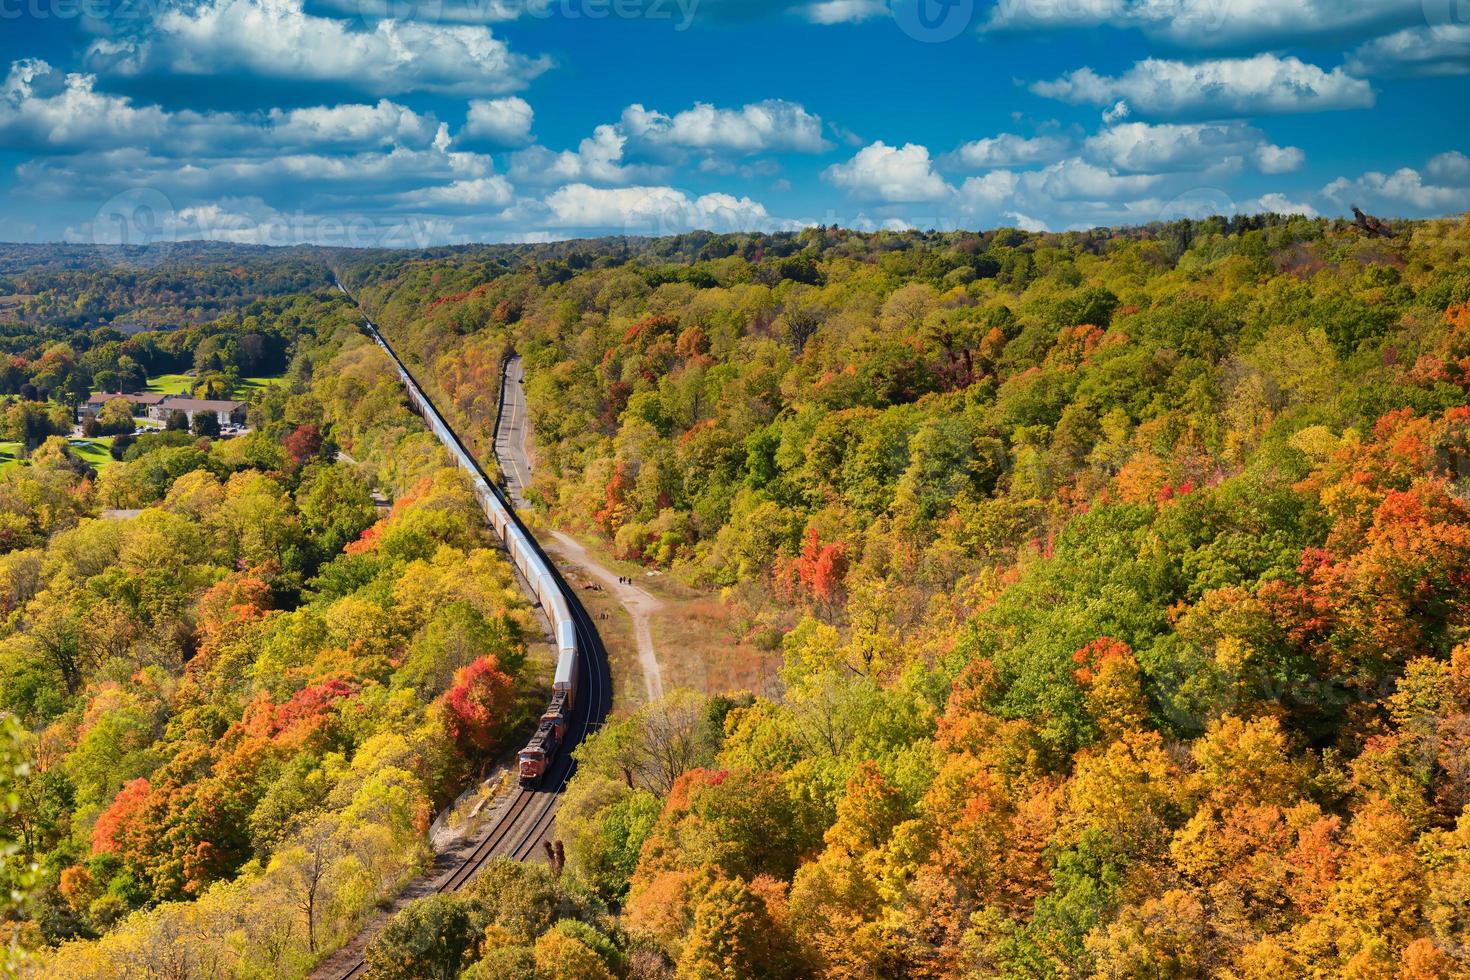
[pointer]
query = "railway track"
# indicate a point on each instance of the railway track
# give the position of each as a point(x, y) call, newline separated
point(527, 820)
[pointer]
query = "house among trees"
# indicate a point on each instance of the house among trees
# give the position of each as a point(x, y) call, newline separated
point(145, 401)
point(228, 412)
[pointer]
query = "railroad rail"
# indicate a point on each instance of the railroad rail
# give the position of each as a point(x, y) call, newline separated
point(526, 821)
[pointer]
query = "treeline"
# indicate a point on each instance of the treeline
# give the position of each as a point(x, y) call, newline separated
point(160, 286)
point(1119, 577)
point(246, 690)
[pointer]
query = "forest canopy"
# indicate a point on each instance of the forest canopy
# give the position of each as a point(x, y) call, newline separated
point(1117, 579)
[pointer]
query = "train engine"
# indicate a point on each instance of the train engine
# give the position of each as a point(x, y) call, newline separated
point(536, 757)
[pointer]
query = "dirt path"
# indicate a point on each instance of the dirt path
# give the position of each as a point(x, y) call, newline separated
point(641, 606)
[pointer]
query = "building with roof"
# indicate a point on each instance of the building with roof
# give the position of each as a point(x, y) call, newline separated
point(228, 412)
point(145, 401)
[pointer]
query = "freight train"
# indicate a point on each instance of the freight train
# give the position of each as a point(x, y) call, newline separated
point(551, 733)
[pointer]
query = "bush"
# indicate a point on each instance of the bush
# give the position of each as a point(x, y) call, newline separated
point(432, 938)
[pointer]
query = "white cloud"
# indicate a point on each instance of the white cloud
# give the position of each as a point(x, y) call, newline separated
point(277, 39)
point(352, 125)
point(845, 11)
point(44, 110)
point(1403, 189)
point(1009, 150)
point(481, 192)
point(1212, 23)
point(251, 221)
point(597, 158)
point(1026, 222)
point(1167, 147)
point(41, 108)
point(505, 121)
point(1272, 159)
point(774, 125)
point(982, 194)
point(1264, 84)
point(1439, 49)
point(1116, 112)
point(1449, 168)
point(652, 210)
point(657, 141)
point(1074, 179)
point(283, 176)
point(1278, 204)
point(897, 175)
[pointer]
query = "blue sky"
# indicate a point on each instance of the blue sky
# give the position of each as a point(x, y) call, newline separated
point(416, 122)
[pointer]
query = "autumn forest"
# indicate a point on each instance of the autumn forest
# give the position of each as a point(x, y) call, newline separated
point(1100, 600)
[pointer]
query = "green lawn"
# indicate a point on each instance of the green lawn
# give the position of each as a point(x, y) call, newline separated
point(171, 384)
point(9, 454)
point(96, 451)
point(248, 385)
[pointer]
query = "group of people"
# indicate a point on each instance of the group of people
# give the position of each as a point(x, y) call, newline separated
point(625, 580)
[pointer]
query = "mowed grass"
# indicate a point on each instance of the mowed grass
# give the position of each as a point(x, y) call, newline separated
point(171, 384)
point(183, 384)
point(96, 451)
point(249, 385)
point(9, 454)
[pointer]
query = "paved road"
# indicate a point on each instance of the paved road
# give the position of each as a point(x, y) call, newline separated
point(511, 448)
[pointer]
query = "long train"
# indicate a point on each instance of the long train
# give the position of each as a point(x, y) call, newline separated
point(537, 756)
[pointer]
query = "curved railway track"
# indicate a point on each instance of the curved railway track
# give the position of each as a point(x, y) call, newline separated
point(526, 821)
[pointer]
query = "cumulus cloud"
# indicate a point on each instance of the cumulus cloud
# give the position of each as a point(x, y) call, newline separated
point(598, 158)
point(44, 110)
point(1404, 190)
point(1262, 85)
point(897, 175)
point(284, 176)
point(352, 125)
point(41, 108)
point(1279, 204)
point(251, 221)
point(774, 125)
point(504, 121)
point(479, 193)
point(1272, 159)
point(1212, 23)
point(278, 39)
point(1008, 150)
point(1451, 168)
point(652, 210)
point(1169, 147)
point(1438, 49)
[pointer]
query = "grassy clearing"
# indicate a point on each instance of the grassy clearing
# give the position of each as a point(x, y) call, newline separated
point(171, 384)
point(250, 385)
point(693, 635)
point(697, 649)
point(10, 454)
point(96, 451)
